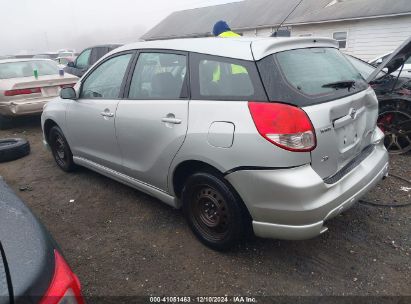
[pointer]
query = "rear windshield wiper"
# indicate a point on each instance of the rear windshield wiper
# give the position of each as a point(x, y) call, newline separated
point(340, 84)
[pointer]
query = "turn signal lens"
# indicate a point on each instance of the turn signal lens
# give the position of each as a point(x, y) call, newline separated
point(286, 126)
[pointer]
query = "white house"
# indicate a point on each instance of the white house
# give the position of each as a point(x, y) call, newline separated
point(364, 28)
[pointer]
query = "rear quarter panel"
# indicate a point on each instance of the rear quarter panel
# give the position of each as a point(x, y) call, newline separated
point(248, 149)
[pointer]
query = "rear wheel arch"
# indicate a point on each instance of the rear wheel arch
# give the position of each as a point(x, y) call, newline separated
point(187, 168)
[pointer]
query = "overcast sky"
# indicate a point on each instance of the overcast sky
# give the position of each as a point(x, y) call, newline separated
point(35, 26)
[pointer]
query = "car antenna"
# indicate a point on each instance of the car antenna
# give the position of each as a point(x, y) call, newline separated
point(285, 19)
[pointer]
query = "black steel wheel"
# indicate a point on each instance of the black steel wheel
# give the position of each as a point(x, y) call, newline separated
point(214, 211)
point(60, 149)
point(395, 122)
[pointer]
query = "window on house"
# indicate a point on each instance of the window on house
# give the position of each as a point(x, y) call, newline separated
point(341, 37)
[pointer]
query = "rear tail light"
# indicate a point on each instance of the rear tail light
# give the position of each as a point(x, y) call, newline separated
point(69, 85)
point(22, 92)
point(286, 126)
point(64, 287)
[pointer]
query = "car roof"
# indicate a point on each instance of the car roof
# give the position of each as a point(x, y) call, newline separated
point(23, 59)
point(109, 45)
point(247, 48)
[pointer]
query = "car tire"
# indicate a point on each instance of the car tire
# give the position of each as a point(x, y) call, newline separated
point(5, 122)
point(13, 148)
point(214, 211)
point(394, 119)
point(60, 149)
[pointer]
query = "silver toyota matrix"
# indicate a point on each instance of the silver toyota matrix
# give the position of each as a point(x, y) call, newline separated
point(277, 135)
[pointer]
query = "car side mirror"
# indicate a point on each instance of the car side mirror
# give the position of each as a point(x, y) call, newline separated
point(68, 93)
point(71, 64)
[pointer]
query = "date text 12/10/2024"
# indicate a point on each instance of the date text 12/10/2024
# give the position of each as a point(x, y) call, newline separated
point(223, 299)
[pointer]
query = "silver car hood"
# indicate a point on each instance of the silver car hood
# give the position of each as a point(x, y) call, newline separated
point(394, 61)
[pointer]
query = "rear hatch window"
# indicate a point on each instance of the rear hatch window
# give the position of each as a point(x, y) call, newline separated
point(304, 77)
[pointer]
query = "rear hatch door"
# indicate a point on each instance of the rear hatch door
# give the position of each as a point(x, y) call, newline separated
point(343, 129)
point(337, 99)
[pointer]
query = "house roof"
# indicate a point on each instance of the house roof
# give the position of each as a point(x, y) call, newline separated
point(193, 22)
point(353, 9)
point(250, 14)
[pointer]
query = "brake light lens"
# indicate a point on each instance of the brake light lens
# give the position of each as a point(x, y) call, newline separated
point(288, 127)
point(22, 92)
point(69, 85)
point(64, 287)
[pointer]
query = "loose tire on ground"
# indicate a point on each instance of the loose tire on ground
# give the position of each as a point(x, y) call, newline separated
point(214, 211)
point(60, 149)
point(13, 148)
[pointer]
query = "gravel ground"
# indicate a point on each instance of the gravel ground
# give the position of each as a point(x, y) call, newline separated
point(122, 242)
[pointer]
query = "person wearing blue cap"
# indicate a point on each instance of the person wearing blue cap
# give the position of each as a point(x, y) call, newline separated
point(221, 29)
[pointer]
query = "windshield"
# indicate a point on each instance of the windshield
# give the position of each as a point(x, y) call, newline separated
point(26, 68)
point(364, 68)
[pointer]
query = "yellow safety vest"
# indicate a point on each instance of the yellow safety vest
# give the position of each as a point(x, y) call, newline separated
point(228, 34)
point(235, 69)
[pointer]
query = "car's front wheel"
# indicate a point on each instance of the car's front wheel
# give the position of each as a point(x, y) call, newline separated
point(60, 149)
point(214, 212)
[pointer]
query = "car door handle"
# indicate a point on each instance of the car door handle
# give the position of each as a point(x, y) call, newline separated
point(171, 120)
point(107, 114)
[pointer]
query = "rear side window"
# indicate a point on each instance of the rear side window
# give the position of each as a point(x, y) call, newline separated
point(301, 76)
point(159, 76)
point(219, 78)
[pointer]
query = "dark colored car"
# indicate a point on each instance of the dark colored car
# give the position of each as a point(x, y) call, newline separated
point(32, 268)
point(394, 96)
point(87, 58)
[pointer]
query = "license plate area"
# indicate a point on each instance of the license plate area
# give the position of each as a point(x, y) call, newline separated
point(350, 130)
point(50, 91)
